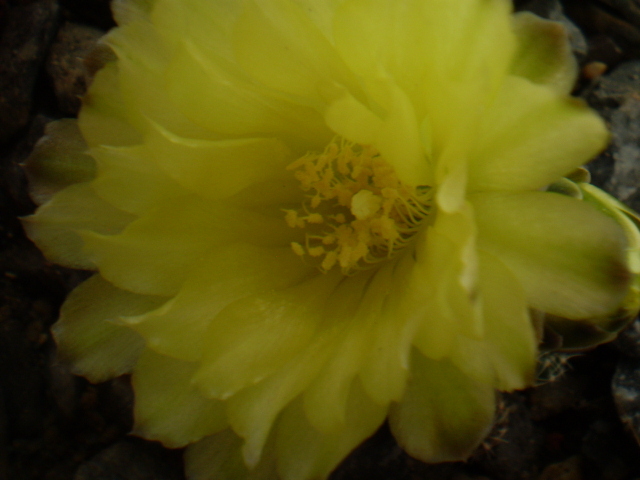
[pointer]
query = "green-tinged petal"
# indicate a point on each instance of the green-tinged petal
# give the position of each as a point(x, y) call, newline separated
point(132, 181)
point(168, 407)
point(143, 58)
point(349, 312)
point(58, 160)
point(278, 44)
point(242, 107)
point(446, 274)
point(385, 367)
point(56, 228)
point(254, 337)
point(569, 257)
point(105, 117)
point(254, 409)
point(444, 414)
point(216, 169)
point(165, 244)
point(126, 11)
point(506, 355)
point(530, 137)
point(88, 337)
point(544, 53)
point(218, 457)
point(229, 273)
point(305, 453)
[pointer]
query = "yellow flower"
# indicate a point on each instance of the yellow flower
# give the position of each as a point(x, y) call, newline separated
point(308, 216)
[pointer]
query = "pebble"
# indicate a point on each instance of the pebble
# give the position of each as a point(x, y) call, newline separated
point(27, 32)
point(132, 459)
point(65, 64)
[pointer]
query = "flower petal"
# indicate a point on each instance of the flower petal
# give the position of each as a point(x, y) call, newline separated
point(87, 335)
point(544, 53)
point(217, 169)
point(228, 274)
point(444, 414)
point(57, 227)
point(253, 410)
point(242, 106)
point(130, 180)
point(58, 160)
point(303, 452)
point(166, 243)
point(569, 257)
point(530, 137)
point(218, 457)
point(506, 355)
point(278, 44)
point(168, 407)
point(254, 337)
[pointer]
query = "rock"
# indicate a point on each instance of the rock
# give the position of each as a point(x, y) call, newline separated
point(628, 341)
point(569, 469)
point(604, 451)
point(28, 30)
point(65, 64)
point(617, 98)
point(132, 459)
point(625, 386)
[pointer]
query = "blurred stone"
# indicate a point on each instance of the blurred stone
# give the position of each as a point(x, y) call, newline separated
point(628, 341)
point(617, 98)
point(627, 9)
point(132, 459)
point(28, 30)
point(65, 64)
point(625, 386)
point(603, 451)
point(617, 23)
point(569, 469)
point(511, 451)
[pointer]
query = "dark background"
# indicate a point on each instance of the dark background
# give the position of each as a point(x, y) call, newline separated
point(582, 422)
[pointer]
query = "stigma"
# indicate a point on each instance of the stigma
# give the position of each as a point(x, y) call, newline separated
point(356, 211)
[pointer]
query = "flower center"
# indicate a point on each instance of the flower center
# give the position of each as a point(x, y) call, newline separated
point(356, 212)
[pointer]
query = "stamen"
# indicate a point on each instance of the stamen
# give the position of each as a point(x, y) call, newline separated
point(357, 211)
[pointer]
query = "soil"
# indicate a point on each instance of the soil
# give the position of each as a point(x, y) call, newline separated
point(581, 423)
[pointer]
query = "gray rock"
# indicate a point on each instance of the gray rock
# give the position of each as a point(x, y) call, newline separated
point(617, 98)
point(131, 459)
point(28, 30)
point(66, 67)
point(625, 386)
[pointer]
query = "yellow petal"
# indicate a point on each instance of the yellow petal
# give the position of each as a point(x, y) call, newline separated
point(165, 244)
point(87, 335)
point(131, 180)
point(216, 169)
point(242, 107)
point(58, 160)
point(444, 414)
point(305, 453)
point(278, 44)
point(253, 338)
point(218, 457)
point(168, 407)
point(104, 118)
point(57, 227)
point(569, 257)
point(229, 273)
point(530, 137)
point(506, 355)
point(253, 410)
point(544, 53)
